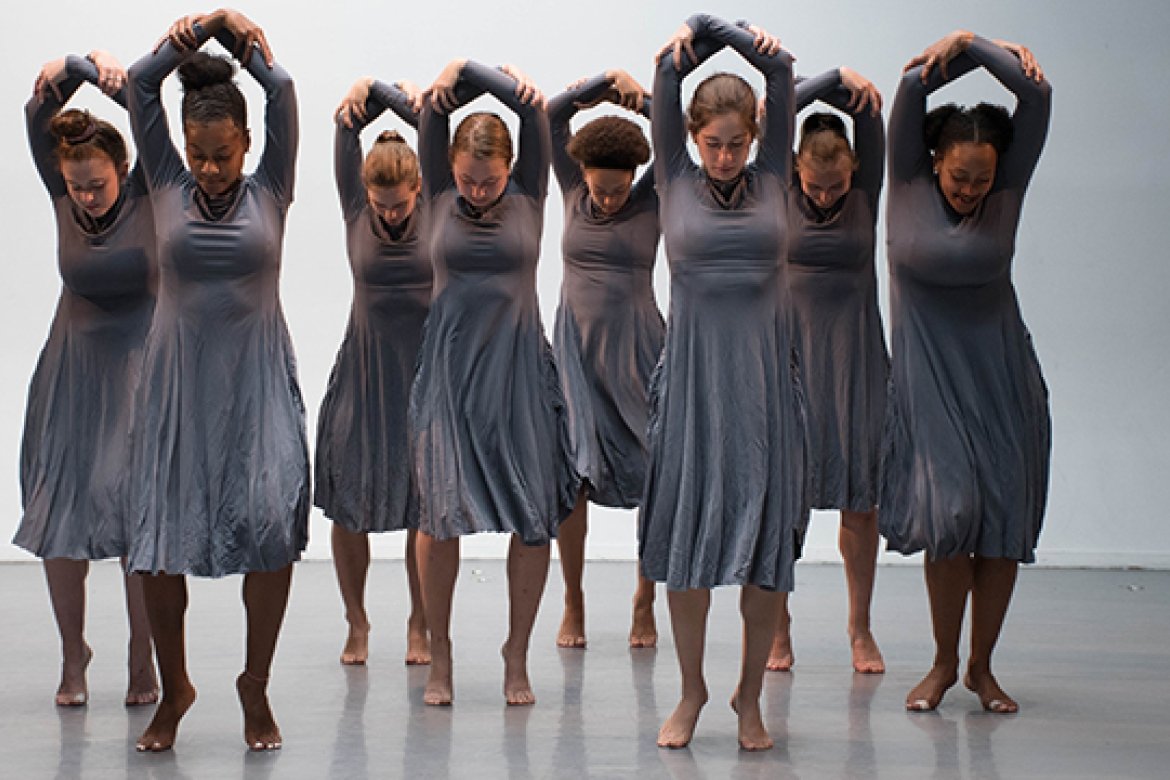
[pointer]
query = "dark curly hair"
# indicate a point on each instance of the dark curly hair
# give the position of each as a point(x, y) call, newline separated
point(209, 94)
point(985, 123)
point(82, 136)
point(610, 142)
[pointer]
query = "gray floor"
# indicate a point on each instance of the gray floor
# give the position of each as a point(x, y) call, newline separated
point(1086, 653)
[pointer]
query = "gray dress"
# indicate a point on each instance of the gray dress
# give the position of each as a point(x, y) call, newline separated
point(965, 467)
point(833, 294)
point(725, 495)
point(491, 443)
point(363, 469)
point(80, 400)
point(609, 332)
point(220, 454)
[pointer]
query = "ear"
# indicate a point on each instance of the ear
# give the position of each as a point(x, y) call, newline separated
point(123, 171)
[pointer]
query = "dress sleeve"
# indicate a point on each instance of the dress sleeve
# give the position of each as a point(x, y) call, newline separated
point(530, 171)
point(668, 127)
point(347, 147)
point(40, 110)
point(434, 141)
point(561, 110)
point(869, 137)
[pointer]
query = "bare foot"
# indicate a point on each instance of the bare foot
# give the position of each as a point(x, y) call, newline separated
point(164, 726)
point(260, 729)
point(752, 734)
point(418, 643)
point(143, 685)
point(517, 689)
point(867, 658)
point(993, 698)
point(73, 691)
point(643, 630)
point(926, 696)
point(678, 729)
point(780, 659)
point(439, 690)
point(357, 647)
point(572, 631)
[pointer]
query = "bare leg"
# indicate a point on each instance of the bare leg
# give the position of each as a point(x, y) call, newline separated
point(688, 622)
point(760, 609)
point(438, 568)
point(780, 659)
point(418, 642)
point(143, 685)
point(527, 574)
point(351, 561)
point(66, 580)
point(571, 543)
point(643, 630)
point(991, 592)
point(265, 599)
point(947, 584)
point(858, 542)
point(166, 605)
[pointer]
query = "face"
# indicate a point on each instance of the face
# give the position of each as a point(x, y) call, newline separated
point(825, 183)
point(609, 189)
point(393, 204)
point(215, 154)
point(724, 143)
point(966, 172)
point(93, 184)
point(480, 182)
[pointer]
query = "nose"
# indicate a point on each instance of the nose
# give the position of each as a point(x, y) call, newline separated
point(209, 168)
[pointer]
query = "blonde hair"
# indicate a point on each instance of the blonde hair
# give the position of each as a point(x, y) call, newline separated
point(484, 136)
point(723, 93)
point(823, 140)
point(390, 162)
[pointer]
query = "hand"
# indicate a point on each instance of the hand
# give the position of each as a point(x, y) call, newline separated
point(940, 53)
point(442, 92)
point(111, 74)
point(181, 33)
point(682, 40)
point(1027, 59)
point(577, 84)
point(248, 35)
point(353, 105)
point(526, 88)
point(862, 92)
point(52, 73)
point(626, 92)
point(414, 95)
point(765, 43)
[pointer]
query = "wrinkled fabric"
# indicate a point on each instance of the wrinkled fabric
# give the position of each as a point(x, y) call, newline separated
point(363, 478)
point(220, 455)
point(966, 453)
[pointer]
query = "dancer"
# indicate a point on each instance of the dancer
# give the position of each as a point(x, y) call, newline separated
point(491, 442)
point(725, 498)
point(832, 211)
point(81, 395)
point(965, 471)
point(363, 467)
point(608, 330)
point(220, 444)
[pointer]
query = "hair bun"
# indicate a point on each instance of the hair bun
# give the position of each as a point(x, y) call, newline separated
point(201, 70)
point(390, 137)
point(73, 126)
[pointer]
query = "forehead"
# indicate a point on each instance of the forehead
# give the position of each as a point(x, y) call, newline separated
point(219, 132)
point(724, 127)
point(837, 168)
point(94, 167)
point(467, 164)
point(398, 192)
point(608, 178)
point(971, 156)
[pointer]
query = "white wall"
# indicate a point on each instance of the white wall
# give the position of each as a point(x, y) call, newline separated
point(1092, 268)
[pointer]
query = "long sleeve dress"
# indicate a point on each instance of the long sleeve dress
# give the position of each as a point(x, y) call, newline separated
point(965, 468)
point(608, 332)
point(491, 443)
point(220, 450)
point(832, 291)
point(725, 498)
point(363, 469)
point(81, 398)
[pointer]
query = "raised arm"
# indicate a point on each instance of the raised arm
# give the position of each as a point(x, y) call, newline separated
point(862, 103)
point(668, 126)
point(351, 118)
point(57, 82)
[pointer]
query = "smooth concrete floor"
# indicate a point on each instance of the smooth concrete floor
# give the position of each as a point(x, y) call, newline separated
point(1086, 654)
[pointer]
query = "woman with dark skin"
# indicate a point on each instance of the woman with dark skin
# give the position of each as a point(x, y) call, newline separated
point(220, 444)
point(609, 331)
point(363, 466)
point(832, 290)
point(724, 502)
point(965, 470)
point(81, 396)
